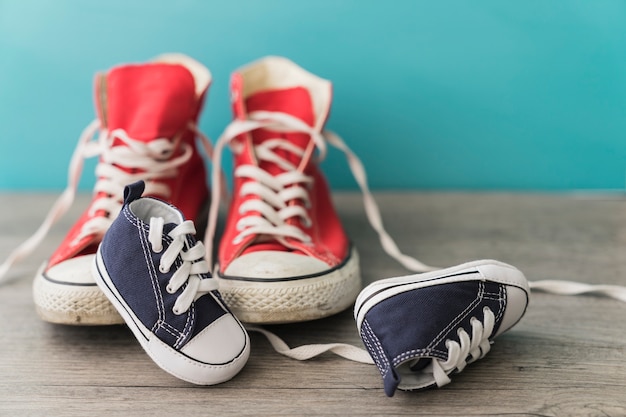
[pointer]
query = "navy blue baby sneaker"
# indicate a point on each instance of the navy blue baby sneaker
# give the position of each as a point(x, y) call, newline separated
point(421, 328)
point(153, 271)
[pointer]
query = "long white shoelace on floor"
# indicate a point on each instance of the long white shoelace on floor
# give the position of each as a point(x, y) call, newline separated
point(559, 287)
point(153, 160)
point(193, 263)
point(276, 191)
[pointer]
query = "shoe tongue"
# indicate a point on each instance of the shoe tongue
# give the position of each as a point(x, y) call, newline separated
point(168, 227)
point(148, 101)
point(294, 101)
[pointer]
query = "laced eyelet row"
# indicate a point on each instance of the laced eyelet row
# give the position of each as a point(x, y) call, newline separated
point(468, 349)
point(190, 263)
point(168, 287)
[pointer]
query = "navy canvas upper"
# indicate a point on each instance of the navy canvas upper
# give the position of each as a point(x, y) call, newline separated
point(417, 323)
point(134, 269)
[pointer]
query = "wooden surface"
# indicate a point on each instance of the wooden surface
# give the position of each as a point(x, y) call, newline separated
point(566, 357)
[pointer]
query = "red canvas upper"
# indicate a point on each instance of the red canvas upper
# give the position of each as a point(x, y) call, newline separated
point(329, 241)
point(148, 101)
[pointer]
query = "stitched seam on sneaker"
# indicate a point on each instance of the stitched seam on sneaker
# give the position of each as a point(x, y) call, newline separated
point(165, 325)
point(377, 352)
point(188, 328)
point(409, 354)
point(500, 297)
point(156, 289)
point(503, 281)
point(160, 323)
point(141, 232)
point(455, 322)
point(185, 333)
point(502, 301)
point(172, 328)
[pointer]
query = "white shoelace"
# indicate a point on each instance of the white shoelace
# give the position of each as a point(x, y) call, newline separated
point(305, 352)
point(469, 348)
point(154, 160)
point(276, 191)
point(193, 263)
point(617, 292)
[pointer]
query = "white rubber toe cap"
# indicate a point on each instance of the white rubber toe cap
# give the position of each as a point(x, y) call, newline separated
point(76, 271)
point(219, 343)
point(275, 264)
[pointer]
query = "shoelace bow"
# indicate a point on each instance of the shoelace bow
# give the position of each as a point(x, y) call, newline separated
point(276, 191)
point(193, 263)
point(148, 161)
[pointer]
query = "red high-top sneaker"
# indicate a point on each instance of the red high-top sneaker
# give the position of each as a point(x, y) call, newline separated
point(284, 256)
point(147, 117)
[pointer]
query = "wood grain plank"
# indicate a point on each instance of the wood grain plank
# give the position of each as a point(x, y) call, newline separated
point(566, 357)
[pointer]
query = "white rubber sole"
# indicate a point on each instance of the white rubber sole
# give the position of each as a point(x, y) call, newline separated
point(66, 303)
point(167, 358)
point(294, 300)
point(484, 270)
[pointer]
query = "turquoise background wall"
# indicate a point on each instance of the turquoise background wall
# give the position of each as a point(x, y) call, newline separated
point(477, 95)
